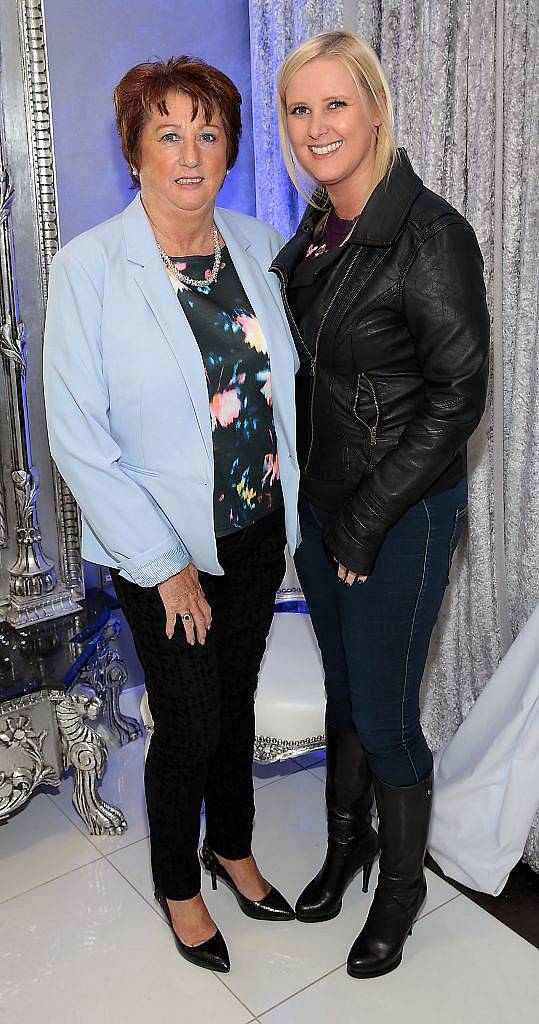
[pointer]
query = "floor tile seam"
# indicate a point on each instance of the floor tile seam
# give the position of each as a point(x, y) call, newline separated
point(125, 846)
point(63, 874)
point(299, 991)
point(282, 778)
point(315, 773)
point(219, 977)
point(439, 907)
point(82, 827)
point(149, 903)
point(339, 966)
point(158, 912)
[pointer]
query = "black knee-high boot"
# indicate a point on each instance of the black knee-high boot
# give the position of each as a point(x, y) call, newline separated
point(352, 842)
point(404, 814)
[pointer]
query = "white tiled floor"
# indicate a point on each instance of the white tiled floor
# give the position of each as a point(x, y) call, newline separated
point(81, 939)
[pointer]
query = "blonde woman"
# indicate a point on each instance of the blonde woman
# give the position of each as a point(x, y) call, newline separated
point(383, 283)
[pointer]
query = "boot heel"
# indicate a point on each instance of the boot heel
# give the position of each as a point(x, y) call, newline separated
point(367, 868)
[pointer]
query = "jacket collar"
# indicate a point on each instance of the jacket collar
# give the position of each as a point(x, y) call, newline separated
point(389, 205)
point(380, 222)
point(386, 209)
point(141, 246)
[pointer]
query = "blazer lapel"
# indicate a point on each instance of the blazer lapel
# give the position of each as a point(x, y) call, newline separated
point(257, 289)
point(151, 277)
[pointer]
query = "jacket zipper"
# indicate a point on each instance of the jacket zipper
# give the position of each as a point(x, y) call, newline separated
point(372, 430)
point(280, 275)
point(313, 358)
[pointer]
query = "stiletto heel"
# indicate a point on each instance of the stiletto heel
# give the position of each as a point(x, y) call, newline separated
point(212, 954)
point(272, 907)
point(367, 868)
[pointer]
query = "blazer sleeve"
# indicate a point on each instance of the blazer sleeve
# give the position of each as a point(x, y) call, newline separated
point(445, 308)
point(121, 513)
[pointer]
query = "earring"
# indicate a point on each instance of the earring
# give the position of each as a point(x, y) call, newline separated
point(228, 171)
point(134, 172)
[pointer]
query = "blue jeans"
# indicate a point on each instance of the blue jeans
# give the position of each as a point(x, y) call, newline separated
point(374, 636)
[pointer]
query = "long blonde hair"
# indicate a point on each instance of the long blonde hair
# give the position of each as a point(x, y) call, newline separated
point(365, 68)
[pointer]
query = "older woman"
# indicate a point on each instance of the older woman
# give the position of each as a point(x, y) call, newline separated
point(169, 372)
point(384, 284)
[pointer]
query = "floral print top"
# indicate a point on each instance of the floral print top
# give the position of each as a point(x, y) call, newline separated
point(238, 374)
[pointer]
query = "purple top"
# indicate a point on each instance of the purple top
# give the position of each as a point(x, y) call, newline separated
point(335, 232)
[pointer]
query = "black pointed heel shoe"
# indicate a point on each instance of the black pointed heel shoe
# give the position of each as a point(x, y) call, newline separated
point(211, 954)
point(272, 907)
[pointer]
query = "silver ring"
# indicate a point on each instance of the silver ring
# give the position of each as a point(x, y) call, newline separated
point(186, 617)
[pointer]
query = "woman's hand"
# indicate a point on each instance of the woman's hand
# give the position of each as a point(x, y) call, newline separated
point(182, 595)
point(347, 576)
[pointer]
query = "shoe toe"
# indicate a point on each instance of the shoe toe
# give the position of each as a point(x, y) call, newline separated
point(217, 952)
point(275, 906)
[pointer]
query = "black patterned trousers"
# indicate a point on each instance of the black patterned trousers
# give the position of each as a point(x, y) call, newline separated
point(202, 702)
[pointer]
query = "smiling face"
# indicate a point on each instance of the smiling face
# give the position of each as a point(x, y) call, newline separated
point(182, 162)
point(328, 124)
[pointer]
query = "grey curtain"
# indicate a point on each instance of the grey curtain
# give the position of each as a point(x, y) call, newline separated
point(276, 27)
point(462, 76)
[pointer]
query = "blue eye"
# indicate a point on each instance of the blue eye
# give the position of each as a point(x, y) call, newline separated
point(208, 137)
point(300, 109)
point(337, 103)
point(170, 136)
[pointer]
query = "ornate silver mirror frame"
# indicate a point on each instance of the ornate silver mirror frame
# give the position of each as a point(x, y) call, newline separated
point(40, 561)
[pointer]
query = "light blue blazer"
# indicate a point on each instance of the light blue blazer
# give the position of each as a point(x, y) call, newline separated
point(127, 401)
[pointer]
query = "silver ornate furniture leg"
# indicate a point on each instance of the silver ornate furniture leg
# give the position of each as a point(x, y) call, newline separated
point(107, 676)
point(18, 736)
point(85, 751)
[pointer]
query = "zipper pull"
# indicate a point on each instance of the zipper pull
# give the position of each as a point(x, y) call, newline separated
point(313, 367)
point(373, 436)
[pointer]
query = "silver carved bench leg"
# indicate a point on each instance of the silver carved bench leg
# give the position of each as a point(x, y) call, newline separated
point(86, 753)
point(107, 676)
point(18, 736)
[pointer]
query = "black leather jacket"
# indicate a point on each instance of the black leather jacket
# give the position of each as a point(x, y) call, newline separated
point(392, 330)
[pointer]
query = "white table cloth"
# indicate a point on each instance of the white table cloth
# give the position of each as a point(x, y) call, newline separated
point(486, 789)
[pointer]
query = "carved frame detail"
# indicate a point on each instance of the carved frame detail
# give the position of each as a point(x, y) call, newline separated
point(38, 589)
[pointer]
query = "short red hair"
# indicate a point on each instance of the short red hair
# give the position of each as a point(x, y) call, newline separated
point(145, 87)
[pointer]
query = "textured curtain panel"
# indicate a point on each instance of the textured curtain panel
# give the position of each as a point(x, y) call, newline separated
point(520, 317)
point(276, 27)
point(520, 301)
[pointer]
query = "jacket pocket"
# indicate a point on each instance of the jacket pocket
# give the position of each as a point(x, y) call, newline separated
point(366, 401)
point(131, 468)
